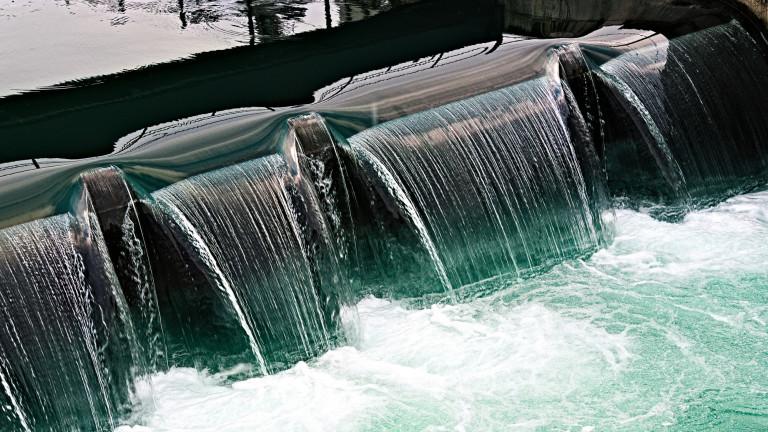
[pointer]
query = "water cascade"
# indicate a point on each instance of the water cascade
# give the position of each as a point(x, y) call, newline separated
point(115, 207)
point(259, 233)
point(68, 349)
point(491, 185)
point(262, 260)
point(689, 133)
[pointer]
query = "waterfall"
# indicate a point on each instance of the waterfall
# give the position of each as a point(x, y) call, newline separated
point(696, 109)
point(118, 219)
point(261, 237)
point(492, 185)
point(222, 281)
point(68, 352)
point(146, 305)
point(256, 262)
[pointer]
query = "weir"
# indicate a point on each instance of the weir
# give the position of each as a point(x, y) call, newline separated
point(690, 134)
point(491, 185)
point(392, 184)
point(68, 349)
point(259, 233)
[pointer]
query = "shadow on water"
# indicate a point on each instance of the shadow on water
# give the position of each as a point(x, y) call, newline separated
point(84, 118)
point(52, 123)
point(96, 37)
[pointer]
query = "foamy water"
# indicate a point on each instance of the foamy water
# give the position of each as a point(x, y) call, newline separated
point(667, 329)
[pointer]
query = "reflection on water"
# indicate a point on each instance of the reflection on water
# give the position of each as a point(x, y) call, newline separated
point(262, 18)
point(98, 37)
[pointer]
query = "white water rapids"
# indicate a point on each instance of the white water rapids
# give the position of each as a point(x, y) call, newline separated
point(666, 329)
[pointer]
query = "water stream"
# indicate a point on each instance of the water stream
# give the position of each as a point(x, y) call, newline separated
point(663, 330)
point(67, 357)
point(257, 237)
point(700, 144)
point(500, 261)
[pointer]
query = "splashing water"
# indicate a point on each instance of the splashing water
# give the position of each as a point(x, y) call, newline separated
point(243, 223)
point(493, 183)
point(67, 351)
point(706, 138)
point(666, 329)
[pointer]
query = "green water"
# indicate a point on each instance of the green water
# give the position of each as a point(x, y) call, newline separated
point(666, 329)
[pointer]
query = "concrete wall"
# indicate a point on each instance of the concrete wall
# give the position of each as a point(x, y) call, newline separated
point(570, 18)
point(759, 7)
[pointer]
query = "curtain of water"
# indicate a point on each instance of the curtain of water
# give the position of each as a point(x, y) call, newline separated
point(67, 349)
point(505, 183)
point(114, 209)
point(250, 224)
point(699, 100)
point(145, 308)
point(491, 184)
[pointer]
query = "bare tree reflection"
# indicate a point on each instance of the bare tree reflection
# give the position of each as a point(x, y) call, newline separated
point(360, 9)
point(273, 18)
point(263, 18)
point(182, 15)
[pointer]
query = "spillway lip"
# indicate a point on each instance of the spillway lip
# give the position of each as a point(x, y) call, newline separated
point(168, 152)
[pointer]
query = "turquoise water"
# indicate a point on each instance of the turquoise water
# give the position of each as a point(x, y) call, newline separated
point(666, 329)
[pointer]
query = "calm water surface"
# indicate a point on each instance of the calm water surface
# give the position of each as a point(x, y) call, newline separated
point(47, 43)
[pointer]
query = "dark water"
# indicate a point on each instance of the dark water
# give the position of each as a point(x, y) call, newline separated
point(209, 79)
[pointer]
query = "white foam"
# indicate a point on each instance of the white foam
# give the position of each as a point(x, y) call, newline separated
point(441, 364)
point(731, 235)
point(623, 340)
